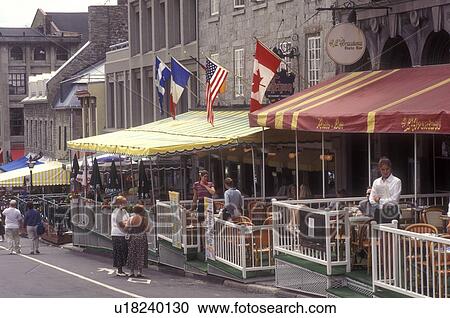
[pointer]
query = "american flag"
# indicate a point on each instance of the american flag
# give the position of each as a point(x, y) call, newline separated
point(215, 76)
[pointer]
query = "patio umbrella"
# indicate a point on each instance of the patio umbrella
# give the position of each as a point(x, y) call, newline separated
point(113, 177)
point(75, 167)
point(96, 179)
point(143, 181)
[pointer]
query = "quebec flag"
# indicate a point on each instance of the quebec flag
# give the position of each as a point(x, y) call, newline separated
point(180, 78)
point(162, 75)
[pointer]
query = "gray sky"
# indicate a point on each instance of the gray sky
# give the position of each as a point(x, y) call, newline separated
point(20, 13)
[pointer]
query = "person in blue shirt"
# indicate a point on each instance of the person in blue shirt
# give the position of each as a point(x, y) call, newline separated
point(32, 219)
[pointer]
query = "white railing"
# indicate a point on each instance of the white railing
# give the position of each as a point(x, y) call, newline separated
point(413, 264)
point(164, 221)
point(93, 217)
point(177, 226)
point(318, 236)
point(246, 248)
point(422, 200)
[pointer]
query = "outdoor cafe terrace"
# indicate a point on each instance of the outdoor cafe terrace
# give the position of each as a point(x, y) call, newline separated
point(306, 246)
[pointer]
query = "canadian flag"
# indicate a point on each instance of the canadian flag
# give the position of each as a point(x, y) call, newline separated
point(264, 68)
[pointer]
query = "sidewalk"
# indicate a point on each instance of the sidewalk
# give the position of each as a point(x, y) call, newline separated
point(266, 288)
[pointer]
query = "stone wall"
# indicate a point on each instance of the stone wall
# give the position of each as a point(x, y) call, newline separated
point(272, 22)
point(107, 26)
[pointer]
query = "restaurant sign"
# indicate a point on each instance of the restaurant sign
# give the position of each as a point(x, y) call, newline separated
point(345, 44)
point(281, 86)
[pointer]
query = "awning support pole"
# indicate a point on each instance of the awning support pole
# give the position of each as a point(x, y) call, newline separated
point(323, 166)
point(369, 158)
point(85, 173)
point(132, 174)
point(254, 172)
point(263, 184)
point(223, 171)
point(296, 166)
point(151, 181)
point(121, 173)
point(415, 168)
point(434, 165)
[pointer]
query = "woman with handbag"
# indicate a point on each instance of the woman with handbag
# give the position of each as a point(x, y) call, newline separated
point(137, 227)
point(119, 218)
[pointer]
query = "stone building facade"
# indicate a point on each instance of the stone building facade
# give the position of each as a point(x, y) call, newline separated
point(162, 28)
point(25, 52)
point(61, 113)
point(228, 31)
point(410, 33)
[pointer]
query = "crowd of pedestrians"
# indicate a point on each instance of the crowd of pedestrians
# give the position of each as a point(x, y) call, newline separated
point(13, 220)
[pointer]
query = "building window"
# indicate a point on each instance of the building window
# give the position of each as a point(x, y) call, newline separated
point(215, 4)
point(39, 54)
point(35, 135)
point(238, 72)
point(17, 83)
point(16, 121)
point(27, 133)
point(50, 136)
point(313, 60)
point(61, 54)
point(45, 135)
point(65, 138)
point(59, 138)
point(16, 54)
point(238, 4)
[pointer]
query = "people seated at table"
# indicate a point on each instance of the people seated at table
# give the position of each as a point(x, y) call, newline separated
point(364, 205)
point(338, 205)
point(385, 193)
point(233, 198)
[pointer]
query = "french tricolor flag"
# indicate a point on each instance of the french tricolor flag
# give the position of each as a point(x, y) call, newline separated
point(180, 78)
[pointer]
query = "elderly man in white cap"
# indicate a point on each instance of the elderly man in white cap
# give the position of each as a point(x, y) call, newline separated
point(13, 219)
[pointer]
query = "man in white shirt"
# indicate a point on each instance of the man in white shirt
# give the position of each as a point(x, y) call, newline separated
point(385, 193)
point(12, 224)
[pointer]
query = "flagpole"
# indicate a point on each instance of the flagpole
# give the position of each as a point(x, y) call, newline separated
point(297, 181)
point(121, 173)
point(263, 191)
point(254, 172)
point(151, 180)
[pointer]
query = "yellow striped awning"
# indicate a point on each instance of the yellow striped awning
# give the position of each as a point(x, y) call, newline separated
point(46, 174)
point(188, 132)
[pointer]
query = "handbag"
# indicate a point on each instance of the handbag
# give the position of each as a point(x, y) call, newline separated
point(40, 228)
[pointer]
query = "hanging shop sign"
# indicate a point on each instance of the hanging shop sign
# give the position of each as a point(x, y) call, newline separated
point(345, 44)
point(281, 86)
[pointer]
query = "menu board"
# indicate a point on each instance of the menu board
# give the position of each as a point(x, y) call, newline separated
point(209, 233)
point(174, 199)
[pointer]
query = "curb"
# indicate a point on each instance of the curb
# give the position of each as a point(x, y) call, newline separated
point(262, 289)
point(72, 248)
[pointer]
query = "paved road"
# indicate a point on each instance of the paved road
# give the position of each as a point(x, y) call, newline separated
point(59, 272)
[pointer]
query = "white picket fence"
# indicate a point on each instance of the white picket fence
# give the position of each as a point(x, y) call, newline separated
point(413, 264)
point(177, 226)
point(316, 235)
point(246, 248)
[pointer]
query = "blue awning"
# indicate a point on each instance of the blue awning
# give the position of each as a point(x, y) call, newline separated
point(16, 164)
